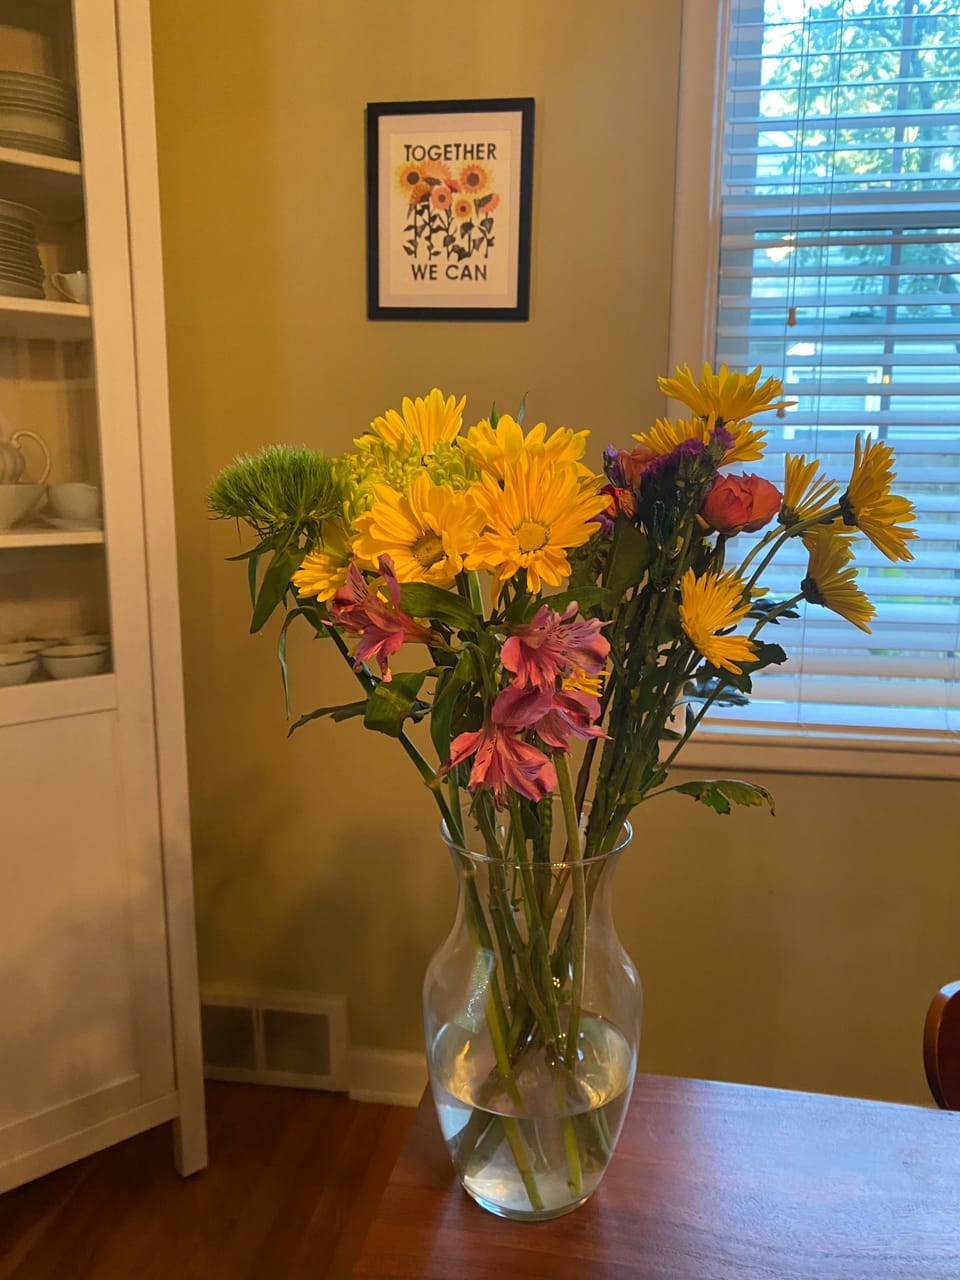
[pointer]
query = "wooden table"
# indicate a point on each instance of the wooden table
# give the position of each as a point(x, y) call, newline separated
point(709, 1182)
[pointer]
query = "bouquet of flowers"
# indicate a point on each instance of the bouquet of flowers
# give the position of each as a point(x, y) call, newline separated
point(555, 636)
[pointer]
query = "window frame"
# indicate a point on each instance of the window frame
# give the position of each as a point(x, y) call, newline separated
point(730, 745)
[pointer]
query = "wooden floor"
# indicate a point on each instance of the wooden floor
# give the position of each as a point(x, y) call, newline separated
point(294, 1178)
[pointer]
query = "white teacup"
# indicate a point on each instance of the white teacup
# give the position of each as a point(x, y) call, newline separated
point(74, 501)
point(74, 285)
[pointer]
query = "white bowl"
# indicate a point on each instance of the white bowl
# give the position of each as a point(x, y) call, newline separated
point(74, 501)
point(16, 668)
point(25, 647)
point(63, 661)
point(17, 500)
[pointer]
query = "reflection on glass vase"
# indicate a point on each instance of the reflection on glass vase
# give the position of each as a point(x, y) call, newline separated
point(532, 1020)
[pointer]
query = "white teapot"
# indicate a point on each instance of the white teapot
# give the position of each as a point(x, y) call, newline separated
point(13, 463)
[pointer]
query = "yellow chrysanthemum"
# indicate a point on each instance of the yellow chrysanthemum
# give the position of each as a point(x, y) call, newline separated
point(711, 603)
point(324, 570)
point(532, 521)
point(425, 422)
point(831, 579)
point(731, 396)
point(667, 433)
point(493, 449)
point(869, 504)
point(426, 531)
point(806, 492)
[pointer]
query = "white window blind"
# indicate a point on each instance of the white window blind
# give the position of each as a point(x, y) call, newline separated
point(839, 271)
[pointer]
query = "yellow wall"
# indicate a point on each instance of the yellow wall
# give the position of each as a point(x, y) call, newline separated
point(797, 951)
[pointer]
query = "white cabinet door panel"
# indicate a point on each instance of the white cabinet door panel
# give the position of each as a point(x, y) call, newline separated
point(81, 918)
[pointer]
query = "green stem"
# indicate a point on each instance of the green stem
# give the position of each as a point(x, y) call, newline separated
point(476, 594)
point(546, 995)
point(422, 765)
point(824, 517)
point(541, 992)
point(783, 607)
point(565, 785)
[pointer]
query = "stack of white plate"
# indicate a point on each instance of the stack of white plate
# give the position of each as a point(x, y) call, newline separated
point(38, 113)
point(21, 273)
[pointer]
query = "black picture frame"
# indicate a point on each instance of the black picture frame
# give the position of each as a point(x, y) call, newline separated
point(449, 198)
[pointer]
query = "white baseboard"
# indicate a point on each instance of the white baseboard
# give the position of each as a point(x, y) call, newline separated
point(386, 1075)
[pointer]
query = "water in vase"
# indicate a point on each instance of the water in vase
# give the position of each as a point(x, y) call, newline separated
point(538, 1145)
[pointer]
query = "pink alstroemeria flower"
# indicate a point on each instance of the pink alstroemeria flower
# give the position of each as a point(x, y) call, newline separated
point(553, 714)
point(382, 627)
point(503, 761)
point(552, 645)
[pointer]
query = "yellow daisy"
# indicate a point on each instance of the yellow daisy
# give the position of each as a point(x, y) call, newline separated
point(869, 504)
point(806, 492)
point(831, 579)
point(493, 449)
point(712, 603)
point(424, 422)
point(540, 512)
point(731, 396)
point(427, 530)
point(667, 433)
point(324, 570)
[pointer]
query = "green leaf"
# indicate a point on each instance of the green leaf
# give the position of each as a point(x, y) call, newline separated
point(391, 702)
point(253, 553)
point(446, 700)
point(423, 600)
point(720, 793)
point(767, 654)
point(629, 557)
point(586, 598)
point(345, 711)
point(252, 567)
point(275, 582)
point(306, 611)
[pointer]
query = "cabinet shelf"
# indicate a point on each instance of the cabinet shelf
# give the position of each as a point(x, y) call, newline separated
point(46, 183)
point(53, 699)
point(38, 318)
point(39, 536)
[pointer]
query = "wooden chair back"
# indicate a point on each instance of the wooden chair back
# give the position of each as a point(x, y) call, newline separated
point(941, 1047)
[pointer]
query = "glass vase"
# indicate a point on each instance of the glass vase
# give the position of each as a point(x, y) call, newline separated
point(532, 1020)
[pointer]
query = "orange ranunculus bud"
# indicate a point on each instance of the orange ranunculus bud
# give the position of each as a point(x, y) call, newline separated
point(633, 463)
point(740, 503)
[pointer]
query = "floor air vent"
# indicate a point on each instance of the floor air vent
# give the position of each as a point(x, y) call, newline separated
point(275, 1037)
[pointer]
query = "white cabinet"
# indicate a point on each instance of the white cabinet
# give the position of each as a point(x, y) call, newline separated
point(99, 1022)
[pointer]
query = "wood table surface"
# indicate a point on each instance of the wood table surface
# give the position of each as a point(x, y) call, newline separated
point(709, 1181)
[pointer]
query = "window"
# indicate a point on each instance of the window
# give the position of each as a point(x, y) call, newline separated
point(830, 235)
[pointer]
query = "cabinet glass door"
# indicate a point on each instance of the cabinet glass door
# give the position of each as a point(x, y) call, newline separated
point(54, 604)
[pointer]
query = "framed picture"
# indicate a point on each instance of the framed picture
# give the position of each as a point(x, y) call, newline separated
point(448, 209)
